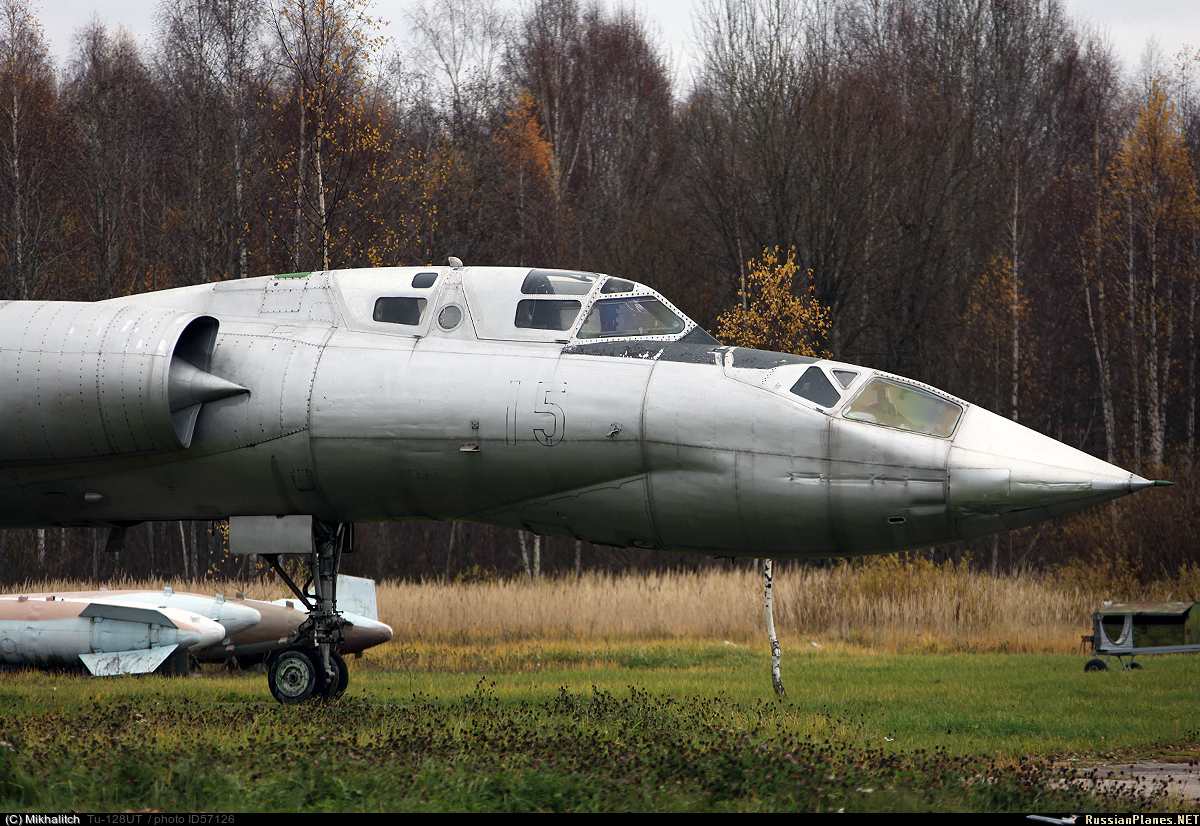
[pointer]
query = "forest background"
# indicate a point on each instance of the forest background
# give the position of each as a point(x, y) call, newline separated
point(983, 202)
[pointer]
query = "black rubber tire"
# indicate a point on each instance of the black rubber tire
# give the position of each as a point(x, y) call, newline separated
point(1095, 665)
point(294, 677)
point(339, 687)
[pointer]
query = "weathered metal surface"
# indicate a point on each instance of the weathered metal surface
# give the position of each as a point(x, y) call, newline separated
point(231, 615)
point(134, 631)
point(115, 663)
point(628, 426)
point(46, 629)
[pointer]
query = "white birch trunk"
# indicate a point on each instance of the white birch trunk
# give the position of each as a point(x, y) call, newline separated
point(768, 570)
point(523, 537)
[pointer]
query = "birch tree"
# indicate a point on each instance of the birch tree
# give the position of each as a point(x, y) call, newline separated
point(1151, 217)
point(32, 148)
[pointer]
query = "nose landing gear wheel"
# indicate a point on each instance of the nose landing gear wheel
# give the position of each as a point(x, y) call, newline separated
point(294, 676)
point(336, 688)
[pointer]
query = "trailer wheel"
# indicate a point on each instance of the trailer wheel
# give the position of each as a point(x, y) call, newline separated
point(1095, 665)
point(1133, 665)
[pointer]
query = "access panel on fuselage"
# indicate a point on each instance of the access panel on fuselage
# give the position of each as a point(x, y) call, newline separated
point(587, 423)
point(444, 428)
point(888, 488)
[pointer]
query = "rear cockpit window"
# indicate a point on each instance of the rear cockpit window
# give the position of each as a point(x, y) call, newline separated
point(399, 310)
point(424, 280)
point(546, 314)
point(621, 317)
point(905, 407)
point(815, 386)
point(557, 282)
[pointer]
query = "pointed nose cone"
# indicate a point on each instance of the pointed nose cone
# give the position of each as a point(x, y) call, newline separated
point(1004, 475)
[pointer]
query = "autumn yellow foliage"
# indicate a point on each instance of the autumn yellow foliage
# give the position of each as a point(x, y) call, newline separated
point(773, 317)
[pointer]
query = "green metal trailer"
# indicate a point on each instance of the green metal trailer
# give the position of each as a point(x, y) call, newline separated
point(1127, 629)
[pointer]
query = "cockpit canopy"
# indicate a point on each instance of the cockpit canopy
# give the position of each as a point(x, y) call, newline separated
point(880, 400)
point(904, 406)
point(511, 304)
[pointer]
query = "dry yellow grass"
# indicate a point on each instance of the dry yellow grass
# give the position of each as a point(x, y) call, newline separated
point(886, 603)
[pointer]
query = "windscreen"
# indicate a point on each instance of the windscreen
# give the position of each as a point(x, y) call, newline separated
point(905, 407)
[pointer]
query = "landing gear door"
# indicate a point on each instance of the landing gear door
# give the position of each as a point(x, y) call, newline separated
point(270, 534)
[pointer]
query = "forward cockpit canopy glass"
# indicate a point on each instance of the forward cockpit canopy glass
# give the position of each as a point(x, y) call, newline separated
point(905, 407)
point(640, 315)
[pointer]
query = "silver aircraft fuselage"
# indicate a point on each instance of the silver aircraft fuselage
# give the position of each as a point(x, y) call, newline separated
point(562, 403)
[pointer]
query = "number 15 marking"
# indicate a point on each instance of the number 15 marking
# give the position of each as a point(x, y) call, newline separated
point(549, 432)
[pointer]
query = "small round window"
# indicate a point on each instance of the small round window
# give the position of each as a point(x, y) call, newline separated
point(450, 317)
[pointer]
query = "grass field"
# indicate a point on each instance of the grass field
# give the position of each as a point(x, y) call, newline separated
point(613, 699)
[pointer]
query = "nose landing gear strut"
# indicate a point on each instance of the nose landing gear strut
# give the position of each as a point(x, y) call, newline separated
point(310, 667)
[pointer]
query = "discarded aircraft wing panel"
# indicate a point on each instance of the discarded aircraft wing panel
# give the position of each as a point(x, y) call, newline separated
point(356, 595)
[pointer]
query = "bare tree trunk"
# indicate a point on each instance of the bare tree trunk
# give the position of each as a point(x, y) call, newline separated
point(1191, 338)
point(195, 549)
point(239, 209)
point(1135, 354)
point(1154, 414)
point(776, 681)
point(296, 233)
point(184, 549)
point(319, 161)
point(95, 555)
point(523, 538)
point(1016, 304)
point(450, 548)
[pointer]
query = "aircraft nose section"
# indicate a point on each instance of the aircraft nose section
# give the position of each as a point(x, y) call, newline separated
point(1004, 475)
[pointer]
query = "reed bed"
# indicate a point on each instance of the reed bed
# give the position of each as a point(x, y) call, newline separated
point(883, 605)
point(890, 603)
